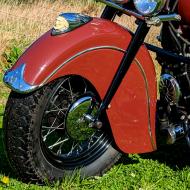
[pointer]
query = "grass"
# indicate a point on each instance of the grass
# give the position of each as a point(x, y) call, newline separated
point(21, 24)
point(165, 169)
point(168, 168)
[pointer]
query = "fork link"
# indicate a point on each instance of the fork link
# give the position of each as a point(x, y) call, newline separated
point(96, 124)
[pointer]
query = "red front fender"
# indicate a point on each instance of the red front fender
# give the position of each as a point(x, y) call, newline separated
point(94, 52)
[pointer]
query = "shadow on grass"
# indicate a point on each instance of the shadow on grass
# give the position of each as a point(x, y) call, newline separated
point(175, 156)
point(5, 168)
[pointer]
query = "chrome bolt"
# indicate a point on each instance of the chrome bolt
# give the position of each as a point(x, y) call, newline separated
point(182, 117)
point(99, 124)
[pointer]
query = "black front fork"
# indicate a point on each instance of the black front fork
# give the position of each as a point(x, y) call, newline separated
point(134, 45)
point(109, 13)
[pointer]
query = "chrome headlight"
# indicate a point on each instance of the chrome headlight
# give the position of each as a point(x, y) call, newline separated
point(149, 7)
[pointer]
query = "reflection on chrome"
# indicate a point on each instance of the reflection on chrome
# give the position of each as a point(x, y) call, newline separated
point(67, 22)
point(14, 79)
point(149, 7)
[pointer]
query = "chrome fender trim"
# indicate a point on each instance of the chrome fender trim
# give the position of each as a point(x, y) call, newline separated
point(14, 79)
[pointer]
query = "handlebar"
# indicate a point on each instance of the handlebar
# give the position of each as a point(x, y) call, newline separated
point(154, 20)
point(122, 9)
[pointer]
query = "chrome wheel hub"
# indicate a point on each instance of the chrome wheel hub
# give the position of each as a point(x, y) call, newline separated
point(77, 126)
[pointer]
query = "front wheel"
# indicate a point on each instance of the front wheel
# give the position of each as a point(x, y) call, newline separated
point(46, 136)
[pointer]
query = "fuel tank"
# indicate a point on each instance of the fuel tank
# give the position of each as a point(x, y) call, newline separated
point(184, 11)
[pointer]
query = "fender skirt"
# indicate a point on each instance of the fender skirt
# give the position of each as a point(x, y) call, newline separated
point(94, 51)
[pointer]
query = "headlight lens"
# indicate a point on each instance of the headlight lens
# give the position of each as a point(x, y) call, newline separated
point(149, 7)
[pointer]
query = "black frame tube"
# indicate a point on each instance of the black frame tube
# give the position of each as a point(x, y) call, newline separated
point(168, 54)
point(134, 45)
point(109, 13)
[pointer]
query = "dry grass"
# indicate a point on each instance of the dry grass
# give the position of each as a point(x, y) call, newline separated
point(22, 24)
point(26, 22)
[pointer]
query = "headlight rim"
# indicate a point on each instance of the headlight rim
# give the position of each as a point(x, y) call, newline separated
point(154, 11)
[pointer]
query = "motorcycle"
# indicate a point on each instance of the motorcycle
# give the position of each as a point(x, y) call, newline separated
point(86, 91)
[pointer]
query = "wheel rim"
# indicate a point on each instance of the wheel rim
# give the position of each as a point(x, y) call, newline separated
point(60, 144)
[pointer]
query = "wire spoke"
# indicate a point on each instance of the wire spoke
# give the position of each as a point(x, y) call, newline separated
point(80, 147)
point(56, 110)
point(51, 131)
point(50, 128)
point(59, 152)
point(58, 142)
point(91, 140)
point(72, 148)
point(60, 109)
point(45, 127)
point(64, 90)
point(54, 132)
point(71, 92)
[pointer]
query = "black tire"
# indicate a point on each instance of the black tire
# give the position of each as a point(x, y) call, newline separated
point(30, 156)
